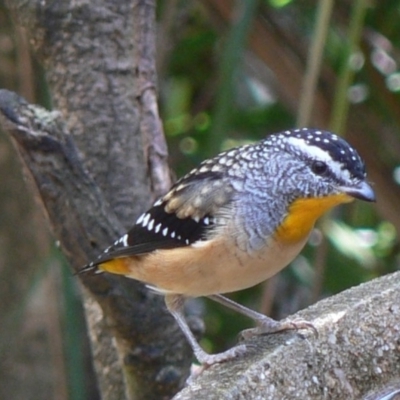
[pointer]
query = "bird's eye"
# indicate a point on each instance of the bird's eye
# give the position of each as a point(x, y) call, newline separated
point(319, 167)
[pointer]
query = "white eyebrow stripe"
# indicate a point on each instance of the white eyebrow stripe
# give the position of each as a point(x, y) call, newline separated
point(316, 153)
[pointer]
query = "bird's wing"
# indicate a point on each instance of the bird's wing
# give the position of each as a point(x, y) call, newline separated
point(186, 214)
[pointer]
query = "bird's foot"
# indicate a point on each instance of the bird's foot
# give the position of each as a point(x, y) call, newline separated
point(268, 325)
point(206, 360)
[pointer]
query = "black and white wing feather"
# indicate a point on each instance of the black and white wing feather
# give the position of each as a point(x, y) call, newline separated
point(186, 214)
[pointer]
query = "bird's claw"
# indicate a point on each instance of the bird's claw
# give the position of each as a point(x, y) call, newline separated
point(207, 360)
point(270, 326)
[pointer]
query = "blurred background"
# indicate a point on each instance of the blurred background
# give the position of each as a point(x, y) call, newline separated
point(230, 72)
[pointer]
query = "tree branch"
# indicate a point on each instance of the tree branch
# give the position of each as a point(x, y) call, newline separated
point(83, 222)
point(97, 164)
point(356, 352)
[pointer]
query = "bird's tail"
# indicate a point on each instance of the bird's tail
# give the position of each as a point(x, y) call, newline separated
point(92, 267)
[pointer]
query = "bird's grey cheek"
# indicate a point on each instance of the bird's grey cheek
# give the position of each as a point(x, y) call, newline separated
point(311, 187)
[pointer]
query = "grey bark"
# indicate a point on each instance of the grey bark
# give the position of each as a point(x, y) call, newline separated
point(24, 344)
point(97, 163)
point(356, 354)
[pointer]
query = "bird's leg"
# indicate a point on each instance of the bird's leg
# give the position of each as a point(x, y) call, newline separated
point(174, 304)
point(264, 324)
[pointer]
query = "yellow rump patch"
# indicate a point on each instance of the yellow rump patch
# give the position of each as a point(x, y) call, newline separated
point(302, 216)
point(115, 266)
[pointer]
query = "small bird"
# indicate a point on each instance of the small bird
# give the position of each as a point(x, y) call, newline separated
point(235, 221)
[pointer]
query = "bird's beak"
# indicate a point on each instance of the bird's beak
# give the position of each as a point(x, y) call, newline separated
point(362, 191)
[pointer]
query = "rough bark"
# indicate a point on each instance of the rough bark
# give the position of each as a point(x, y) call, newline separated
point(24, 344)
point(97, 163)
point(355, 354)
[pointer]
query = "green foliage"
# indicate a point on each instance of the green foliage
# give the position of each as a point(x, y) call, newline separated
point(212, 99)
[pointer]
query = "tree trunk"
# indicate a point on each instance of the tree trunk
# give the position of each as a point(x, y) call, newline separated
point(97, 162)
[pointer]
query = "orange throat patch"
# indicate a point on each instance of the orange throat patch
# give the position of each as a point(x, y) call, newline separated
point(302, 216)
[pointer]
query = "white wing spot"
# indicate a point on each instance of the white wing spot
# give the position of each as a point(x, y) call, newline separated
point(124, 240)
point(140, 219)
point(158, 203)
point(173, 235)
point(150, 226)
point(206, 221)
point(158, 227)
point(165, 232)
point(146, 220)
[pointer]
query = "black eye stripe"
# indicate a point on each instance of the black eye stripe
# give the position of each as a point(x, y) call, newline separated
point(337, 148)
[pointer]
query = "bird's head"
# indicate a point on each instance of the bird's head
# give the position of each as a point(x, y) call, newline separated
point(322, 171)
point(323, 165)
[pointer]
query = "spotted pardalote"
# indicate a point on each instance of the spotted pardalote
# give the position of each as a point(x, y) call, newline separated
point(236, 220)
